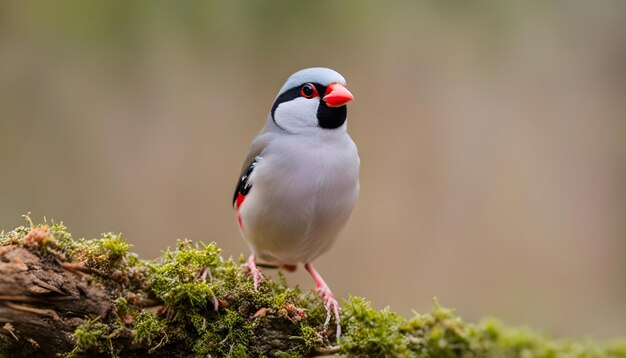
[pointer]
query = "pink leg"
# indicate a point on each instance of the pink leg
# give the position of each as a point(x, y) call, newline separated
point(254, 271)
point(327, 296)
point(202, 275)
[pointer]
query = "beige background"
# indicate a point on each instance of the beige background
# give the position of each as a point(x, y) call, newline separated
point(492, 139)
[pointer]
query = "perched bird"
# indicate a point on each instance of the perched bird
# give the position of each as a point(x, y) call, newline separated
point(300, 179)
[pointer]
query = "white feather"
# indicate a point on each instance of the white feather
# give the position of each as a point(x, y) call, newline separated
point(303, 193)
point(297, 115)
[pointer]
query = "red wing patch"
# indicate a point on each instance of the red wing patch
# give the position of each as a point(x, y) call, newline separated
point(238, 202)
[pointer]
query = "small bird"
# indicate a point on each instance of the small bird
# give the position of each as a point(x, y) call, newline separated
point(300, 179)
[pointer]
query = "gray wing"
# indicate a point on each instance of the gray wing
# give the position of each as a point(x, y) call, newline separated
point(256, 148)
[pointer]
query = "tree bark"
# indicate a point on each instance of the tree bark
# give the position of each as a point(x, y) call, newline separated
point(42, 303)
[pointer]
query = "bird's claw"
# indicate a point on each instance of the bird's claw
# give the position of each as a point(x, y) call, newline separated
point(250, 266)
point(331, 305)
point(256, 276)
point(201, 276)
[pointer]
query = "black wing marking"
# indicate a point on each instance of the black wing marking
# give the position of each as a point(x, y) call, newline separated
point(244, 186)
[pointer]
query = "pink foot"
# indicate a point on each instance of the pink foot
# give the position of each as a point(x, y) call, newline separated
point(326, 295)
point(254, 271)
point(202, 276)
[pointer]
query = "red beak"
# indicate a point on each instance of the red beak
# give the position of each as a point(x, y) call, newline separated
point(337, 95)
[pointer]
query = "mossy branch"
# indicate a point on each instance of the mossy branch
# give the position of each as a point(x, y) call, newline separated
point(73, 298)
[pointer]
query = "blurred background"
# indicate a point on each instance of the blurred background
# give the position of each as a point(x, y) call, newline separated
point(492, 138)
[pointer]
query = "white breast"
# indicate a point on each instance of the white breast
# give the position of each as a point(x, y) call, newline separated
point(303, 191)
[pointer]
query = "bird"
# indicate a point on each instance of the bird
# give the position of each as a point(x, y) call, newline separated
point(300, 179)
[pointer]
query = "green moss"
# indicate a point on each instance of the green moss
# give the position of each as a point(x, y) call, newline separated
point(311, 338)
point(104, 255)
point(148, 328)
point(57, 233)
point(370, 332)
point(190, 279)
point(60, 235)
point(13, 237)
point(210, 307)
point(89, 334)
point(441, 333)
point(113, 246)
point(498, 340)
point(225, 336)
point(181, 277)
point(121, 306)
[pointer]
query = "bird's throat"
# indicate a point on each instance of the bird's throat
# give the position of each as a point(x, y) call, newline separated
point(331, 117)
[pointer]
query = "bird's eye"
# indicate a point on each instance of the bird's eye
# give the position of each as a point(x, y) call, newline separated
point(308, 91)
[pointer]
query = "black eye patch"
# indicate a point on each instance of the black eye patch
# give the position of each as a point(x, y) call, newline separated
point(292, 94)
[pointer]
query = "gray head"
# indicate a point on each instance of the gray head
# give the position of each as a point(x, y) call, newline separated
point(312, 98)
